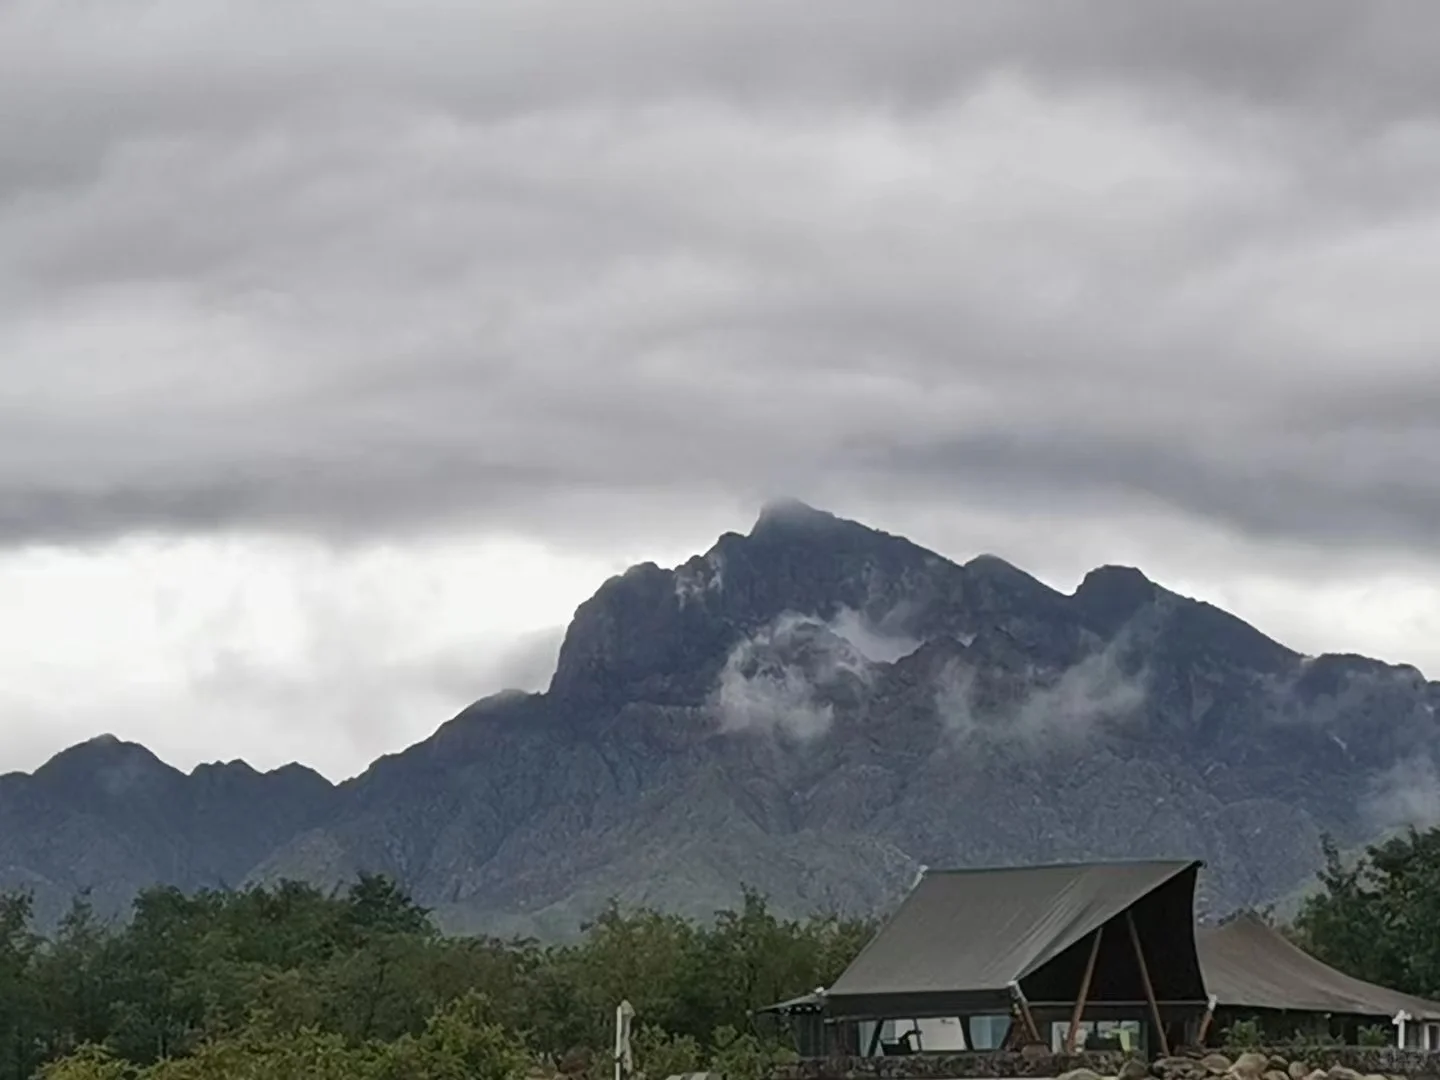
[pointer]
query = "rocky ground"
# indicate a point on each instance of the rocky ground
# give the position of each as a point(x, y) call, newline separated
point(1336, 1063)
point(1269, 1066)
point(1256, 1065)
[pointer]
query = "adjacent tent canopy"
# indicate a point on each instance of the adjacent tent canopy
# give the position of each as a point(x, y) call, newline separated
point(963, 938)
point(805, 1003)
point(1249, 965)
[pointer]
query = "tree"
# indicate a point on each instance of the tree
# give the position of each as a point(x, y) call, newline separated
point(263, 1054)
point(461, 1042)
point(289, 981)
point(376, 904)
point(89, 1062)
point(75, 980)
point(659, 1054)
point(1375, 918)
point(743, 1057)
point(19, 1013)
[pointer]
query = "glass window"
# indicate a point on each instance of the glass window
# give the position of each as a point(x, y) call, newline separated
point(988, 1032)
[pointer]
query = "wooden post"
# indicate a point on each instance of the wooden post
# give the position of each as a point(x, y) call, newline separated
point(1075, 1014)
point(1149, 988)
point(1205, 1021)
point(1025, 1013)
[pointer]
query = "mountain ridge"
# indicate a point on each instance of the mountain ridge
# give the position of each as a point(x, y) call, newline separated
point(814, 708)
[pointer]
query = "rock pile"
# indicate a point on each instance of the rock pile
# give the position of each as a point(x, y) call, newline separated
point(1215, 1066)
point(1320, 1063)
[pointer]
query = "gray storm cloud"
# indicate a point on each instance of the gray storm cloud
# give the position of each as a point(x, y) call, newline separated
point(537, 268)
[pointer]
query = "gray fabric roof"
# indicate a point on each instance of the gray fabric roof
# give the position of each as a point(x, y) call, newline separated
point(1247, 964)
point(980, 930)
point(803, 1003)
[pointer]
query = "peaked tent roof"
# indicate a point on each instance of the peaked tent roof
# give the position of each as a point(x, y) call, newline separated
point(1247, 964)
point(977, 932)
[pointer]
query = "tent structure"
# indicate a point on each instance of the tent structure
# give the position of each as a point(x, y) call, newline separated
point(1052, 946)
point(805, 1018)
point(1248, 965)
point(1092, 935)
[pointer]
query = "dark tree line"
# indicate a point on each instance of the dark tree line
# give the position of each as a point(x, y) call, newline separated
point(290, 981)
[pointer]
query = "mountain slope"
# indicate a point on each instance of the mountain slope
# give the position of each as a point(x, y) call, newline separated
point(108, 817)
point(816, 709)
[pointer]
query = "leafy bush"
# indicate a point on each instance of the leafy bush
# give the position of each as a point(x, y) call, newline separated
point(659, 1054)
point(1301, 1041)
point(1243, 1035)
point(1375, 1035)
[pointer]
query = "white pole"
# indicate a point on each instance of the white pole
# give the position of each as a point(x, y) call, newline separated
point(623, 1061)
point(1399, 1022)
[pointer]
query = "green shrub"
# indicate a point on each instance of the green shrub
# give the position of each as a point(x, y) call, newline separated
point(1243, 1035)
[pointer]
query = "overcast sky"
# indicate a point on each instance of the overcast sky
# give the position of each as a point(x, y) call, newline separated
point(347, 346)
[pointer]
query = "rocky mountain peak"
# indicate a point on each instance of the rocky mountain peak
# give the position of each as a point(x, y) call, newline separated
point(109, 764)
point(1109, 596)
point(662, 635)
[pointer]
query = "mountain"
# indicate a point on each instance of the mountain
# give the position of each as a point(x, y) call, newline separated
point(815, 709)
point(108, 817)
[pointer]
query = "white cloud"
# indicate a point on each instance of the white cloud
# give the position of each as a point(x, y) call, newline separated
point(272, 651)
point(1055, 714)
point(884, 643)
point(776, 680)
point(1406, 794)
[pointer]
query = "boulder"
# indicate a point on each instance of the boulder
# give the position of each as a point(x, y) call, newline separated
point(1216, 1064)
point(1133, 1069)
point(1178, 1068)
point(1276, 1074)
point(1080, 1074)
point(1249, 1066)
point(1340, 1072)
point(1298, 1070)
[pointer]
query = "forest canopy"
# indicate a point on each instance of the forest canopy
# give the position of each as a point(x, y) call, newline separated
point(291, 981)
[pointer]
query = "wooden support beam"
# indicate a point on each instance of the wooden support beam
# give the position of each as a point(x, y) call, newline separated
point(1149, 987)
point(1074, 1032)
point(1025, 1014)
point(1205, 1021)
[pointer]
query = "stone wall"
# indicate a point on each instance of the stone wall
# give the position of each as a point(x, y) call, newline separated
point(1321, 1063)
point(1365, 1060)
